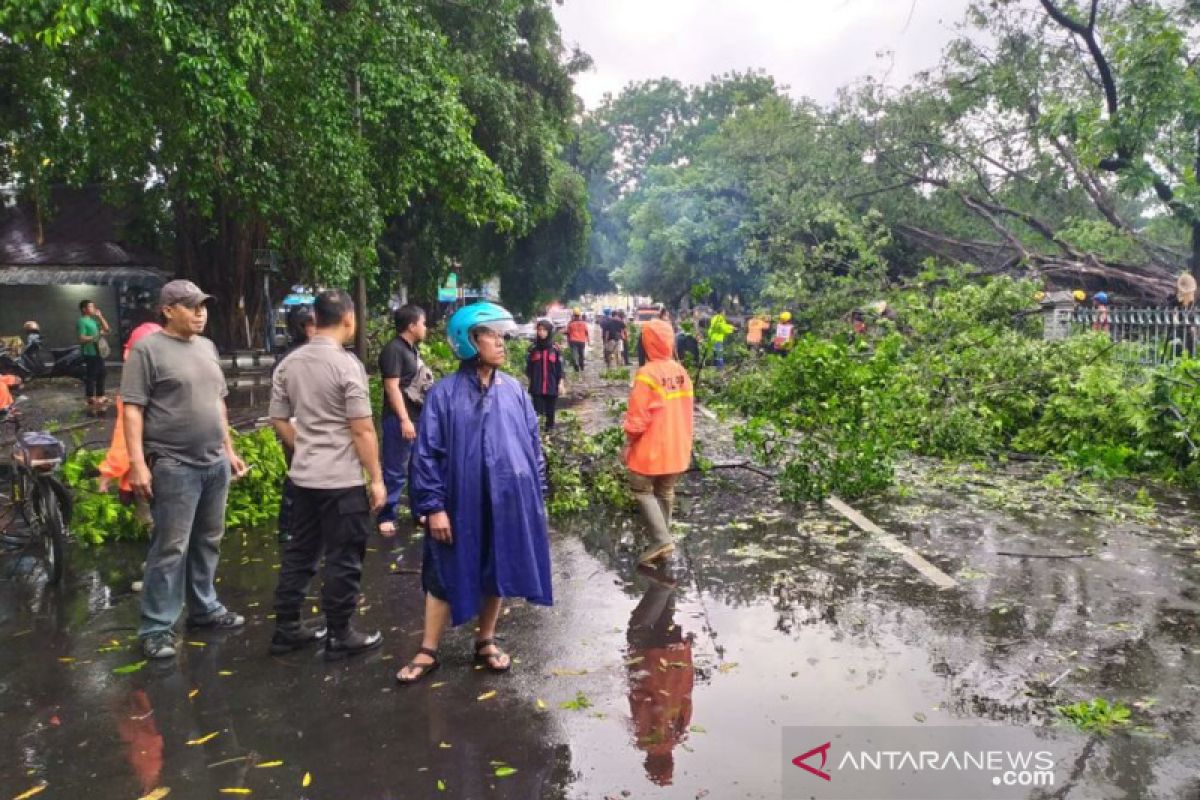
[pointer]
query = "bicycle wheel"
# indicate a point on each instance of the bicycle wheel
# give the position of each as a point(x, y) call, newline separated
point(52, 529)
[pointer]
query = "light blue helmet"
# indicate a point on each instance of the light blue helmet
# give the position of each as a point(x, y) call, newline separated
point(1101, 298)
point(468, 318)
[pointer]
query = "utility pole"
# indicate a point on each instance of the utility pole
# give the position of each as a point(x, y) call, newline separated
point(360, 280)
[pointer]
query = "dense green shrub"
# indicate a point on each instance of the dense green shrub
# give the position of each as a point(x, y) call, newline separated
point(253, 500)
point(963, 374)
point(585, 471)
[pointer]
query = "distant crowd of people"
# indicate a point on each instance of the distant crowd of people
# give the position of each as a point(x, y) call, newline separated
point(762, 335)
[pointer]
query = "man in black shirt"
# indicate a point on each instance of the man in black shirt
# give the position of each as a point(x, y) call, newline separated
point(607, 340)
point(614, 338)
point(405, 381)
point(602, 322)
point(622, 329)
point(301, 323)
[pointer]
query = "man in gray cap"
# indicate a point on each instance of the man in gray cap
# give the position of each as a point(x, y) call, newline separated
point(181, 457)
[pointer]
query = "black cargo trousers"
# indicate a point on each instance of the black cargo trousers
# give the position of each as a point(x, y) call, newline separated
point(336, 522)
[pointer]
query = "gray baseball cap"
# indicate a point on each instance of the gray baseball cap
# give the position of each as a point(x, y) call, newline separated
point(182, 292)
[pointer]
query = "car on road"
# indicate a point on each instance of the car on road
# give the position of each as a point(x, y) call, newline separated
point(524, 330)
point(560, 317)
point(645, 314)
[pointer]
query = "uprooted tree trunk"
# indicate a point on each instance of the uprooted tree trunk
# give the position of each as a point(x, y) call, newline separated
point(1147, 283)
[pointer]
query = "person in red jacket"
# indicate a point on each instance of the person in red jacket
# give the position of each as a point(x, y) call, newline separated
point(658, 429)
point(579, 336)
point(115, 466)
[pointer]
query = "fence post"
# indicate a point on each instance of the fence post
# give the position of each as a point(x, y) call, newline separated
point(1057, 309)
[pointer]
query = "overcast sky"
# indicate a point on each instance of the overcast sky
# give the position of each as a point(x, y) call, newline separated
point(812, 46)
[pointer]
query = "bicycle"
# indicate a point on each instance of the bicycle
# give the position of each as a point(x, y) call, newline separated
point(37, 491)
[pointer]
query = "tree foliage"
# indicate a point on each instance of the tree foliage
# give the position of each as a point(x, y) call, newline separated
point(1056, 142)
point(517, 81)
point(971, 377)
point(634, 151)
point(303, 126)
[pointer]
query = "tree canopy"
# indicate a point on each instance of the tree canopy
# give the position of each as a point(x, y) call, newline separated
point(1059, 142)
point(402, 141)
point(307, 127)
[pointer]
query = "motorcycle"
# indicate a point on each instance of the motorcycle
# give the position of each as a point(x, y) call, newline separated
point(31, 363)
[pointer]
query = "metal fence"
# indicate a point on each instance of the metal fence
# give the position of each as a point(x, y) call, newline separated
point(1148, 336)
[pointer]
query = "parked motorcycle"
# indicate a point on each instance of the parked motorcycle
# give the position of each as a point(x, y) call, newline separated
point(31, 363)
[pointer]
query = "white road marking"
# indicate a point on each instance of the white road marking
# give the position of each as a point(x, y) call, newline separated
point(910, 556)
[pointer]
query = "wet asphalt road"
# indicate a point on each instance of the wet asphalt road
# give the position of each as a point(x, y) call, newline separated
point(676, 686)
point(675, 692)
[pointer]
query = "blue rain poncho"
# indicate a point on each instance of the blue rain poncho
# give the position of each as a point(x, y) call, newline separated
point(478, 458)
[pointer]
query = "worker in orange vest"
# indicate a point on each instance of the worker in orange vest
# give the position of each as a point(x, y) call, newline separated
point(756, 326)
point(6, 398)
point(658, 427)
point(579, 335)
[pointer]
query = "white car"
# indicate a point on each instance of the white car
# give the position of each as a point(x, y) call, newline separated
point(524, 330)
point(560, 317)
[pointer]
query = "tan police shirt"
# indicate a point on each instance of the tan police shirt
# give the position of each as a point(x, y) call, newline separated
point(321, 387)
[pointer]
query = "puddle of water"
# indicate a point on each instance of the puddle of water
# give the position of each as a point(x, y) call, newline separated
point(676, 686)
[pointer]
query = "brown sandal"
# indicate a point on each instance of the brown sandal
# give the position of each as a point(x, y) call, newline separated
point(487, 658)
point(425, 668)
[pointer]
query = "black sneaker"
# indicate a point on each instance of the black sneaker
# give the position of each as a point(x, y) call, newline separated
point(224, 621)
point(351, 643)
point(159, 645)
point(291, 636)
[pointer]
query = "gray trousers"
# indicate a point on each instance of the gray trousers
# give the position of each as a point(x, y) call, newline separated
point(655, 495)
point(188, 507)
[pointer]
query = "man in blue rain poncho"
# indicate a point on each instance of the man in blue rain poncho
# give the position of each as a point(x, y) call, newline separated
point(477, 479)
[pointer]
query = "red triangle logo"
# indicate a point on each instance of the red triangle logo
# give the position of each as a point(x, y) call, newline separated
point(820, 773)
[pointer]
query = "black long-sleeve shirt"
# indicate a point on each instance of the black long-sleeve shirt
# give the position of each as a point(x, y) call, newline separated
point(544, 369)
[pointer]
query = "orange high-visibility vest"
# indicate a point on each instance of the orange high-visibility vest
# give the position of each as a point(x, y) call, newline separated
point(6, 398)
point(115, 465)
point(755, 329)
point(578, 331)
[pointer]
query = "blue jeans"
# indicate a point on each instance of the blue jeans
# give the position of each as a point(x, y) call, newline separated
point(397, 452)
point(188, 506)
point(718, 354)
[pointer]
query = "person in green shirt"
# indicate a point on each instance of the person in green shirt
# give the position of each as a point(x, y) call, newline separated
point(91, 328)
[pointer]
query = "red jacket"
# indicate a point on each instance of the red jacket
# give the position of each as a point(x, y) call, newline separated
point(116, 461)
point(659, 420)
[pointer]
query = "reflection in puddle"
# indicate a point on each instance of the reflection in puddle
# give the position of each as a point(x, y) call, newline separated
point(661, 675)
point(767, 620)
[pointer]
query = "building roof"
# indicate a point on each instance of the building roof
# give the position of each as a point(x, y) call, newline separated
point(95, 275)
point(81, 242)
